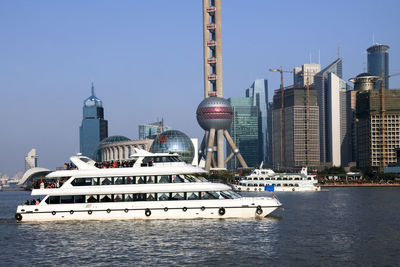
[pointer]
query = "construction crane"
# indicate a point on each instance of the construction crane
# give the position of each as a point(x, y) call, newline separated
point(383, 114)
point(281, 71)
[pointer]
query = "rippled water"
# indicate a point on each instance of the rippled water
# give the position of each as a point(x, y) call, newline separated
point(349, 226)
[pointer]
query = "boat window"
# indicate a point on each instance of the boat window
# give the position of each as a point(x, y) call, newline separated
point(290, 178)
point(53, 200)
point(105, 181)
point(105, 198)
point(82, 181)
point(216, 195)
point(296, 178)
point(255, 179)
point(118, 198)
point(139, 197)
point(119, 180)
point(308, 178)
point(262, 172)
point(92, 199)
point(129, 180)
point(193, 196)
point(178, 196)
point(225, 195)
point(206, 195)
point(79, 199)
point(128, 197)
point(233, 194)
point(261, 185)
point(272, 179)
point(151, 197)
point(164, 179)
point(140, 180)
point(150, 180)
point(164, 196)
point(177, 179)
point(278, 179)
point(284, 178)
point(261, 179)
point(66, 199)
point(296, 185)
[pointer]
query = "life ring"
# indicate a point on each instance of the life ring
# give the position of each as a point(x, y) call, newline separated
point(292, 189)
point(108, 210)
point(71, 212)
point(203, 208)
point(18, 216)
point(126, 210)
point(165, 209)
point(147, 212)
point(90, 212)
point(221, 211)
point(184, 209)
point(53, 212)
point(259, 210)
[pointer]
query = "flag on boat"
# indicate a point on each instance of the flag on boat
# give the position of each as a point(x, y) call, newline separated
point(269, 188)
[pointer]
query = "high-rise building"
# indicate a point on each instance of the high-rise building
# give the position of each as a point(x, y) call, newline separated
point(151, 130)
point(269, 144)
point(378, 61)
point(300, 74)
point(301, 128)
point(214, 113)
point(244, 131)
point(258, 93)
point(94, 128)
point(378, 127)
point(331, 90)
point(31, 159)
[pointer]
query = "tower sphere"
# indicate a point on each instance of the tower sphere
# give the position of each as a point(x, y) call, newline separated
point(214, 112)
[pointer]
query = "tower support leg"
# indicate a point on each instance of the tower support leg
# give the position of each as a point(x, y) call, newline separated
point(234, 148)
point(210, 149)
point(220, 149)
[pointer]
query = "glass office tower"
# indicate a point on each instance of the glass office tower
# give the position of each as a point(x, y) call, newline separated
point(258, 92)
point(244, 131)
point(94, 128)
point(378, 60)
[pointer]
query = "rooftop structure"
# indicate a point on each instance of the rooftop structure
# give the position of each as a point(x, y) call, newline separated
point(151, 130)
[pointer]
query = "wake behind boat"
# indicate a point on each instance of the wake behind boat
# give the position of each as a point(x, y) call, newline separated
point(267, 180)
point(157, 186)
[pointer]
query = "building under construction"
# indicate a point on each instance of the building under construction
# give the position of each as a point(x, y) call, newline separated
point(301, 121)
point(377, 139)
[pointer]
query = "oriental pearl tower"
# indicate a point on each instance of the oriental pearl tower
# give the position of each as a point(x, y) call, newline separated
point(214, 114)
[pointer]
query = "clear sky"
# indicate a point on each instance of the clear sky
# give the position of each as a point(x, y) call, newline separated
point(145, 59)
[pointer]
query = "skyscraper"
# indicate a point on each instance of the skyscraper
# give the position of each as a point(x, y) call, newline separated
point(300, 74)
point(378, 127)
point(94, 128)
point(378, 61)
point(322, 85)
point(244, 131)
point(301, 128)
point(258, 93)
point(151, 130)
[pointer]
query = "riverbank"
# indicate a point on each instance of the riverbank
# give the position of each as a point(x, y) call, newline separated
point(358, 185)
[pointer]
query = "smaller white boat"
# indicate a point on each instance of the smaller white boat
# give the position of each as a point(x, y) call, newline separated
point(267, 180)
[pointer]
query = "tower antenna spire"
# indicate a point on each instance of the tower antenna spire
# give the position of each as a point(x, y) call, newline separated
point(92, 89)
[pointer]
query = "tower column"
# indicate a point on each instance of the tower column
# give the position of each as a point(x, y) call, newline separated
point(220, 149)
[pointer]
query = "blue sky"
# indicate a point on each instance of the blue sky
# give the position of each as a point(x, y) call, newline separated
point(145, 58)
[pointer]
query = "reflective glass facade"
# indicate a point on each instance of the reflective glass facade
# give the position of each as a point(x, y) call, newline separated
point(258, 92)
point(244, 131)
point(151, 130)
point(378, 60)
point(94, 128)
point(176, 142)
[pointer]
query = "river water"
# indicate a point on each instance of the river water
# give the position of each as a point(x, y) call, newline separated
point(337, 226)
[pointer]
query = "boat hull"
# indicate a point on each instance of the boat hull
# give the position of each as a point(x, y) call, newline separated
point(276, 189)
point(147, 210)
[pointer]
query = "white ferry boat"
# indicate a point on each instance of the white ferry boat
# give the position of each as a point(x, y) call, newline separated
point(157, 186)
point(267, 180)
